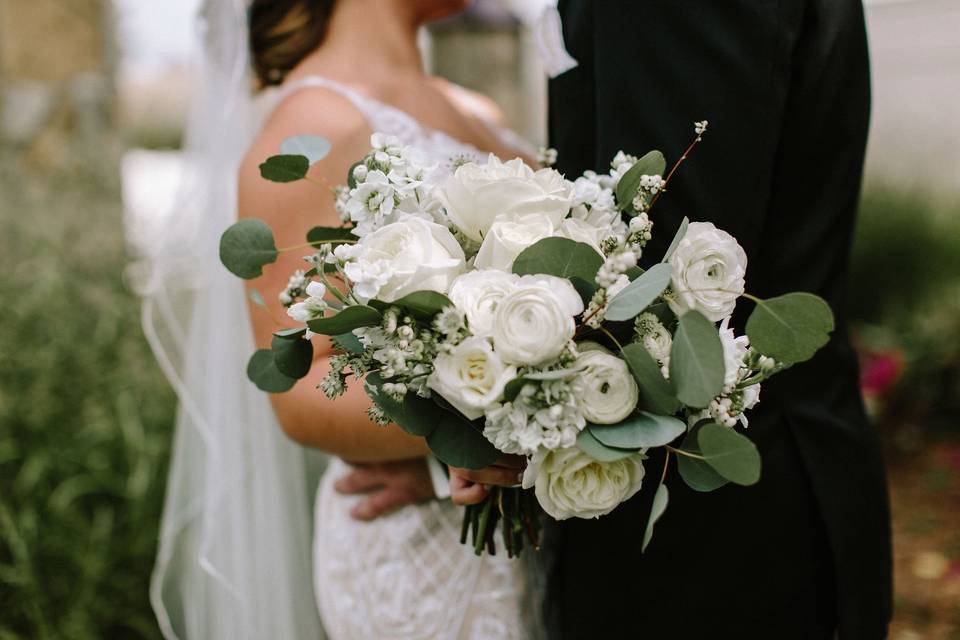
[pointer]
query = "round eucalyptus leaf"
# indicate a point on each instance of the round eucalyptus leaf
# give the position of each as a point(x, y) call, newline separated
point(314, 148)
point(637, 296)
point(290, 334)
point(415, 415)
point(285, 168)
point(698, 475)
point(656, 393)
point(731, 454)
point(263, 372)
point(652, 164)
point(660, 500)
point(292, 355)
point(600, 452)
point(641, 430)
point(559, 257)
point(332, 235)
point(790, 328)
point(459, 443)
point(347, 320)
point(423, 305)
point(246, 246)
point(696, 361)
point(348, 342)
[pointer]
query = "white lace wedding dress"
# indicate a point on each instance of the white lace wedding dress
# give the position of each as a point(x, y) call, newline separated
point(406, 575)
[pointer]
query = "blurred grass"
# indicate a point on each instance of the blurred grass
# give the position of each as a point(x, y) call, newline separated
point(85, 416)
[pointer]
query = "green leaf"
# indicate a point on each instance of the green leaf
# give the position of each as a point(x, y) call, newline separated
point(660, 500)
point(285, 168)
point(459, 443)
point(348, 342)
point(415, 415)
point(656, 394)
point(600, 452)
point(332, 235)
point(652, 164)
point(256, 298)
point(790, 328)
point(513, 388)
point(696, 361)
point(423, 305)
point(263, 372)
point(682, 231)
point(639, 431)
point(347, 320)
point(292, 355)
point(637, 296)
point(246, 246)
point(698, 475)
point(314, 148)
point(584, 288)
point(731, 454)
point(290, 334)
point(559, 257)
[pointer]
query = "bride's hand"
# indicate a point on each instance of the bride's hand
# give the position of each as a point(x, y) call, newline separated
point(389, 485)
point(470, 486)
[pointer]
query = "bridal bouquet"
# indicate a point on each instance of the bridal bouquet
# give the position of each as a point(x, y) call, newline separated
point(496, 309)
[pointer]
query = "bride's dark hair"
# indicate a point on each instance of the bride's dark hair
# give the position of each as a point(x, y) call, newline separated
point(282, 33)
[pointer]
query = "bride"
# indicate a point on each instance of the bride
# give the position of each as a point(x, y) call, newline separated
point(235, 555)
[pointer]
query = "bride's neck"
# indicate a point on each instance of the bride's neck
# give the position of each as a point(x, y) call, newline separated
point(372, 38)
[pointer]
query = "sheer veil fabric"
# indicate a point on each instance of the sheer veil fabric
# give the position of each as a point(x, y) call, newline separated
point(234, 549)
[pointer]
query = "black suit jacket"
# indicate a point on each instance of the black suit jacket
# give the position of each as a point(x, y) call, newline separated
point(785, 86)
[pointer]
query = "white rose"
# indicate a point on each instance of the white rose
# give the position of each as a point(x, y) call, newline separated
point(581, 231)
point(476, 194)
point(477, 294)
point(411, 254)
point(471, 376)
point(570, 484)
point(708, 272)
point(734, 351)
point(507, 237)
point(609, 393)
point(535, 321)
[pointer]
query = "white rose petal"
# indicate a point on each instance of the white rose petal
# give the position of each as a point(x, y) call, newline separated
point(570, 484)
point(534, 323)
point(734, 351)
point(581, 231)
point(708, 272)
point(477, 294)
point(508, 237)
point(609, 393)
point(471, 377)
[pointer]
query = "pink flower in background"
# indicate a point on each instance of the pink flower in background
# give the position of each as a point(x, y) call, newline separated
point(880, 371)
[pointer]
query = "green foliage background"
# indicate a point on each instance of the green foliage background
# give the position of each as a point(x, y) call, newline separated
point(85, 417)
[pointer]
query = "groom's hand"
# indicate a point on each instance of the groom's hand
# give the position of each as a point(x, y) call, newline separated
point(389, 485)
point(470, 486)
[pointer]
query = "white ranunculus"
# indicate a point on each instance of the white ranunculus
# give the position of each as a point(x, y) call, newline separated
point(535, 321)
point(411, 254)
point(708, 272)
point(608, 393)
point(581, 231)
point(471, 376)
point(477, 294)
point(508, 236)
point(570, 484)
point(734, 351)
point(477, 193)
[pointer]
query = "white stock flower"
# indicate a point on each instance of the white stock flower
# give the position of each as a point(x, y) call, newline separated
point(608, 391)
point(476, 194)
point(570, 484)
point(311, 308)
point(534, 322)
point(708, 272)
point(509, 236)
point(471, 376)
point(477, 294)
point(411, 254)
point(519, 428)
point(734, 351)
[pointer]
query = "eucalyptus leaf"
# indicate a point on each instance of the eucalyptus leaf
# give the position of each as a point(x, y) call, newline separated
point(246, 246)
point(314, 148)
point(329, 235)
point(293, 356)
point(263, 372)
point(731, 454)
point(285, 168)
point(559, 257)
point(660, 500)
point(348, 342)
point(698, 475)
point(637, 296)
point(415, 415)
point(513, 388)
point(290, 334)
point(256, 298)
point(347, 320)
point(696, 361)
point(790, 328)
point(652, 164)
point(555, 374)
point(656, 393)
point(459, 443)
point(600, 452)
point(423, 305)
point(640, 430)
point(584, 288)
point(682, 231)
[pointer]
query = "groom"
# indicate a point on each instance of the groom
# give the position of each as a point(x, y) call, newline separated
point(785, 86)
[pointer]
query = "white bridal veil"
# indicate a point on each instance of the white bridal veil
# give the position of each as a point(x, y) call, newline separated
point(234, 548)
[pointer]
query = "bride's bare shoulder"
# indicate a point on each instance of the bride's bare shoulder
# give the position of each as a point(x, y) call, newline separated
point(469, 102)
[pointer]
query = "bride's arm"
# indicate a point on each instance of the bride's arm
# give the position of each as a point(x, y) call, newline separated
point(338, 426)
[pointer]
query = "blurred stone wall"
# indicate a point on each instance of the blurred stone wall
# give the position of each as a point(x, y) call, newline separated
point(56, 65)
